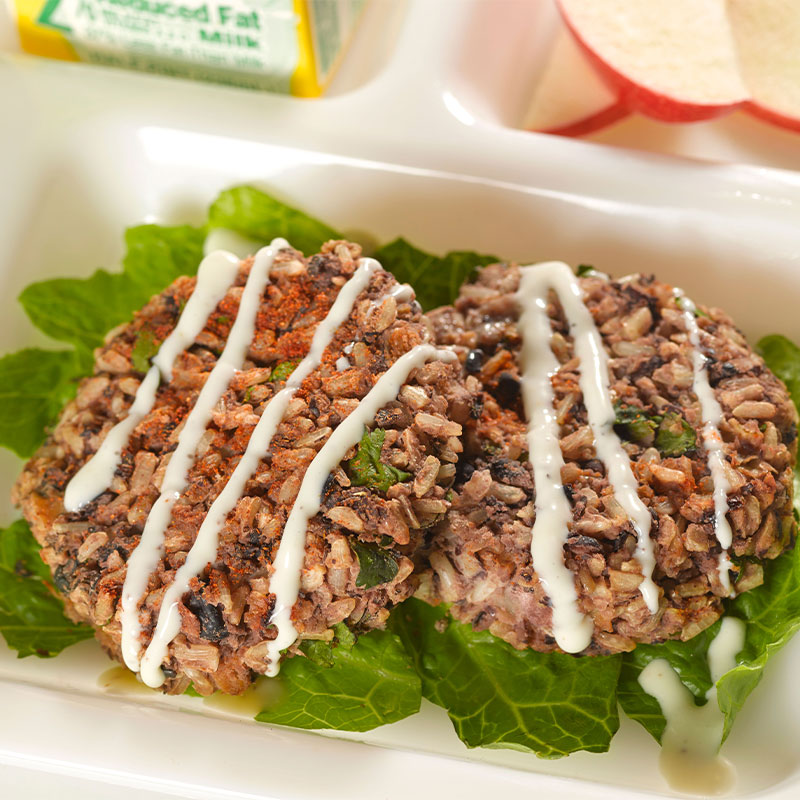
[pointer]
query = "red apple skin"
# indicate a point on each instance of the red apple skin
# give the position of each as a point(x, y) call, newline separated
point(773, 117)
point(595, 122)
point(646, 101)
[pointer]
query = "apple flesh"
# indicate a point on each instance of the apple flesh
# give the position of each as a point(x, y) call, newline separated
point(570, 98)
point(673, 60)
point(767, 34)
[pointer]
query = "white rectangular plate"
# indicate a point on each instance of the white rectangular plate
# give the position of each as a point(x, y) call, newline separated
point(85, 153)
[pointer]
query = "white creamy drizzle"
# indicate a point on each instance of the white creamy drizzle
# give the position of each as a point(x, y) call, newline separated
point(402, 292)
point(343, 362)
point(711, 413)
point(216, 273)
point(571, 630)
point(147, 554)
point(689, 758)
point(288, 564)
point(204, 549)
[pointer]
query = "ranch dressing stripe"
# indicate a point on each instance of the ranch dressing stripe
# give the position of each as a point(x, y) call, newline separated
point(536, 281)
point(216, 273)
point(572, 630)
point(711, 413)
point(594, 383)
point(285, 581)
point(689, 758)
point(144, 559)
point(204, 549)
point(402, 292)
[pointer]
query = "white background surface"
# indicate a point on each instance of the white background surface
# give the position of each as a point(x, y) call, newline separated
point(417, 139)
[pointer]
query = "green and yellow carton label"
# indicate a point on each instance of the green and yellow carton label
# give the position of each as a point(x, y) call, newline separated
point(290, 46)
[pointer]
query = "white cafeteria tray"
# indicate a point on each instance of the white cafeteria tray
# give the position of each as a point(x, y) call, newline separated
point(410, 146)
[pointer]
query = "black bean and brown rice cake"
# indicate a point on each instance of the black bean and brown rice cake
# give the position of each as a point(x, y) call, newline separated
point(480, 559)
point(225, 614)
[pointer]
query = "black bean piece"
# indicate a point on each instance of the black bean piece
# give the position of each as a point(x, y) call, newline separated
point(63, 574)
point(648, 367)
point(464, 470)
point(393, 415)
point(508, 389)
point(317, 264)
point(586, 544)
point(476, 407)
point(329, 485)
point(212, 625)
point(506, 470)
point(474, 361)
point(718, 371)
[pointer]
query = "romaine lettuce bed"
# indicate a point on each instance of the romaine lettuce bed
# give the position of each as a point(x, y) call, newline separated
point(496, 696)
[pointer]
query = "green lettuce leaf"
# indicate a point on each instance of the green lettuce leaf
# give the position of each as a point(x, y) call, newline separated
point(355, 685)
point(34, 386)
point(19, 552)
point(546, 703)
point(36, 383)
point(688, 659)
point(32, 617)
point(771, 611)
point(772, 614)
point(82, 310)
point(256, 215)
point(783, 358)
point(436, 280)
point(155, 255)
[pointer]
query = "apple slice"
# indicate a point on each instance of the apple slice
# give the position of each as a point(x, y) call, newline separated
point(570, 98)
point(673, 60)
point(767, 34)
